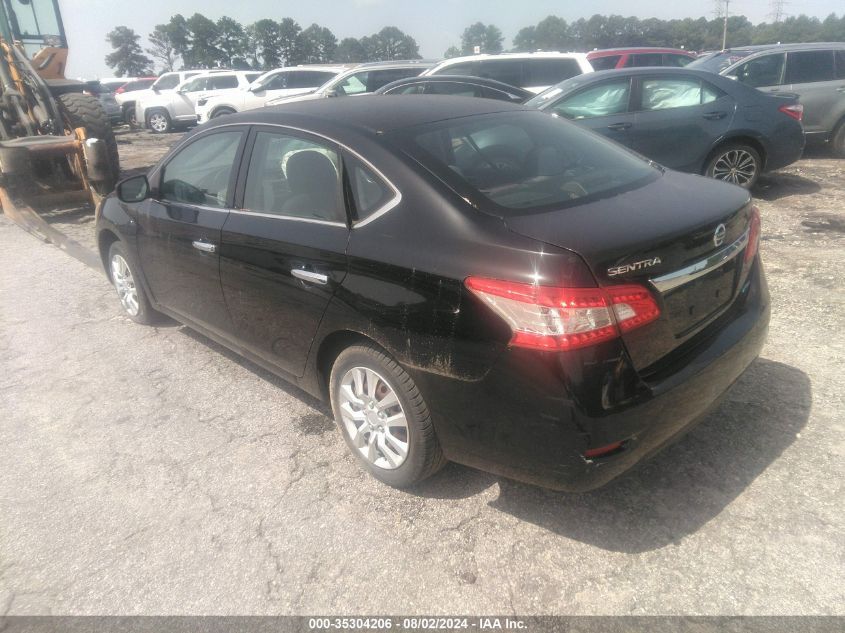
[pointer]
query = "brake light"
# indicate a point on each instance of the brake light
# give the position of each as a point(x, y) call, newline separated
point(796, 111)
point(559, 319)
point(119, 90)
point(753, 235)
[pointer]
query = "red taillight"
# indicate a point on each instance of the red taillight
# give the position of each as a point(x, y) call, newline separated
point(119, 90)
point(796, 111)
point(753, 235)
point(557, 319)
point(604, 450)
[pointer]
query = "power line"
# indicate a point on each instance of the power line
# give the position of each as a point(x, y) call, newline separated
point(777, 10)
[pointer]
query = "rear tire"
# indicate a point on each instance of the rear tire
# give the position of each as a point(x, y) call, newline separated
point(85, 111)
point(159, 121)
point(364, 382)
point(837, 141)
point(736, 163)
point(222, 112)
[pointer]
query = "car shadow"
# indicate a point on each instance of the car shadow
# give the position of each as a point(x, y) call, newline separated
point(775, 185)
point(680, 489)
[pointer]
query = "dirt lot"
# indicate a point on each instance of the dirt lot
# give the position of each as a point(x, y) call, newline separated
point(149, 471)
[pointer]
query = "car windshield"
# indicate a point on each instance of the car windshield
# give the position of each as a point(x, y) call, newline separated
point(717, 62)
point(525, 161)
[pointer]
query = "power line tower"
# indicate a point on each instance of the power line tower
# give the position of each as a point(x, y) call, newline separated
point(777, 10)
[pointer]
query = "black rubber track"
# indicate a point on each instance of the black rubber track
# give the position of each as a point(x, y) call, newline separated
point(85, 111)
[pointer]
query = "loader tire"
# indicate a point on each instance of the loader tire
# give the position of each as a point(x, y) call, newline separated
point(82, 110)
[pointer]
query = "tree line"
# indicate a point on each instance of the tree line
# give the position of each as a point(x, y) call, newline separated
point(199, 42)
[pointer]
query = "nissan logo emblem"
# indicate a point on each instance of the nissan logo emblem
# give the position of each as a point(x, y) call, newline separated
point(719, 235)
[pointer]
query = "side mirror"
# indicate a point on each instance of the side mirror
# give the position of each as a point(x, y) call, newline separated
point(134, 189)
point(333, 93)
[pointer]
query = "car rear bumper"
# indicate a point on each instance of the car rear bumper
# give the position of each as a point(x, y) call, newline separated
point(786, 146)
point(535, 414)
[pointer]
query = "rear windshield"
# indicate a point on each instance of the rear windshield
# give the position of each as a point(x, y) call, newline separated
point(525, 161)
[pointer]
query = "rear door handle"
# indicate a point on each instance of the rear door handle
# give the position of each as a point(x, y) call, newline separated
point(619, 126)
point(310, 277)
point(205, 247)
point(715, 115)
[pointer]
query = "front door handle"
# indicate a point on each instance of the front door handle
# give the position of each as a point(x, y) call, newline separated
point(205, 247)
point(310, 277)
point(619, 126)
point(840, 89)
point(714, 115)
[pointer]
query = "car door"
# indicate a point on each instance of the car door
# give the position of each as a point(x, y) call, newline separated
point(283, 251)
point(764, 72)
point(601, 107)
point(179, 227)
point(678, 118)
point(182, 101)
point(811, 74)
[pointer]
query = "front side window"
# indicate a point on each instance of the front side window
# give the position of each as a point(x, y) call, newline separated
point(641, 60)
point(809, 66)
point(412, 89)
point(452, 88)
point(505, 70)
point(761, 71)
point(195, 85)
point(279, 81)
point(353, 85)
point(662, 94)
point(200, 173)
point(294, 177)
point(166, 82)
point(548, 72)
point(675, 61)
point(222, 82)
point(467, 69)
point(840, 64)
point(605, 63)
point(524, 161)
point(379, 78)
point(602, 100)
point(308, 79)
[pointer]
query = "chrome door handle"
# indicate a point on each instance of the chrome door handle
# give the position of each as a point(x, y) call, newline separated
point(713, 116)
point(205, 247)
point(307, 275)
point(619, 126)
point(840, 89)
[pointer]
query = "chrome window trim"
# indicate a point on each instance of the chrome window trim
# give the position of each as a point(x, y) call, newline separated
point(387, 206)
point(678, 278)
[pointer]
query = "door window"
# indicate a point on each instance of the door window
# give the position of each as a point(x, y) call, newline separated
point(452, 88)
point(761, 71)
point(194, 85)
point(222, 82)
point(504, 70)
point(547, 72)
point(279, 81)
point(605, 63)
point(369, 192)
point(840, 64)
point(308, 79)
point(644, 59)
point(166, 82)
point(467, 68)
point(379, 78)
point(602, 100)
point(352, 85)
point(294, 177)
point(201, 172)
point(676, 61)
point(662, 94)
point(808, 66)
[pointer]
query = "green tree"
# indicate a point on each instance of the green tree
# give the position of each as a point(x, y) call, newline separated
point(289, 42)
point(488, 37)
point(317, 45)
point(452, 51)
point(128, 58)
point(551, 34)
point(350, 49)
point(231, 42)
point(265, 48)
point(163, 48)
point(202, 49)
point(390, 43)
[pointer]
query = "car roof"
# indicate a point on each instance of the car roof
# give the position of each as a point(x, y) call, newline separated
point(534, 55)
point(786, 47)
point(603, 52)
point(602, 75)
point(373, 113)
point(467, 79)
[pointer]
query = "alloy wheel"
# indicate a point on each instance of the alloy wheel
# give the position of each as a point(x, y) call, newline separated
point(158, 122)
point(124, 283)
point(374, 418)
point(736, 166)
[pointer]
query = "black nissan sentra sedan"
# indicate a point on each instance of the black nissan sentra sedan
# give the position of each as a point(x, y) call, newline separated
point(463, 279)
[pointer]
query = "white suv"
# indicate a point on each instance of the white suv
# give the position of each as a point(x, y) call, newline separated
point(167, 82)
point(282, 82)
point(531, 71)
point(165, 110)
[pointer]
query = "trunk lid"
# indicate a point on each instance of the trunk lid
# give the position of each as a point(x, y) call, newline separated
point(681, 236)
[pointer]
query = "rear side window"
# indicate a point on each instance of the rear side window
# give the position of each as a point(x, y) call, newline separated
point(809, 66)
point(467, 68)
point(312, 79)
point(452, 88)
point(294, 177)
point(413, 89)
point(663, 94)
point(605, 63)
point(250, 77)
point(378, 78)
point(761, 71)
point(603, 100)
point(644, 59)
point(200, 173)
point(547, 72)
point(509, 71)
point(369, 192)
point(840, 64)
point(222, 82)
point(676, 61)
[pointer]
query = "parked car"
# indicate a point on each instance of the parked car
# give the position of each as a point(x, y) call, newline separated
point(282, 82)
point(105, 96)
point(164, 112)
point(815, 72)
point(111, 84)
point(685, 119)
point(165, 84)
point(141, 83)
point(532, 71)
point(463, 279)
point(362, 79)
point(636, 57)
point(716, 61)
point(457, 85)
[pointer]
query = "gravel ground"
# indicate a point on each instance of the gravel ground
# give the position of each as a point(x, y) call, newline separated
point(149, 471)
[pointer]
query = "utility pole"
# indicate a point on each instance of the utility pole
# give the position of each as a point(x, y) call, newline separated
point(777, 10)
point(725, 28)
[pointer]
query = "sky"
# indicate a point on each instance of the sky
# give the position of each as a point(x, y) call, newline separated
point(435, 24)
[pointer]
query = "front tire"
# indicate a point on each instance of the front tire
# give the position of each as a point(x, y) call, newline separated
point(159, 121)
point(383, 417)
point(129, 291)
point(735, 163)
point(85, 111)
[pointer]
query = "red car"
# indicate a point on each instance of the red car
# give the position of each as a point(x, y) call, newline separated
point(610, 58)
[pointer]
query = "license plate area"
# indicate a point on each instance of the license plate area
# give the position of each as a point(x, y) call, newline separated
point(689, 306)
